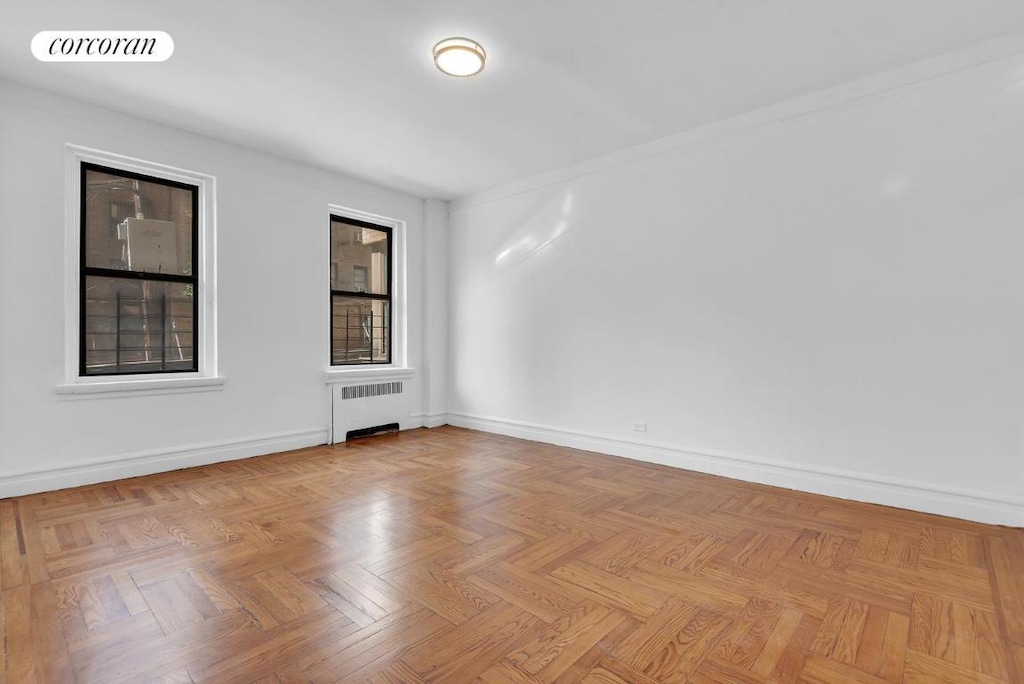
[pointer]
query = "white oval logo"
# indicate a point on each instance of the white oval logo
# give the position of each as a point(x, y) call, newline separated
point(102, 46)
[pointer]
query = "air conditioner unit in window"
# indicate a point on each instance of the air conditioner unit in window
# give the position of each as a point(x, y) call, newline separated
point(152, 246)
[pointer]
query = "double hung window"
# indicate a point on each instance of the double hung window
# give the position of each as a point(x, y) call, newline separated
point(139, 286)
point(361, 305)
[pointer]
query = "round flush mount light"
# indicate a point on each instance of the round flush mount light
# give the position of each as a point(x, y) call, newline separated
point(459, 56)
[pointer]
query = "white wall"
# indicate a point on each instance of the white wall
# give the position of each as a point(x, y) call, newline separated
point(435, 231)
point(272, 233)
point(828, 297)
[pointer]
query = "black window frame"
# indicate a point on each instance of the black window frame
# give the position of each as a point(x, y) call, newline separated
point(84, 270)
point(389, 232)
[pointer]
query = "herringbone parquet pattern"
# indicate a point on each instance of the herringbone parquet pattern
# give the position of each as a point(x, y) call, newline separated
point(453, 556)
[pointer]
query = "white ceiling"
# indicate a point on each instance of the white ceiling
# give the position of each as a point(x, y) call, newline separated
point(348, 85)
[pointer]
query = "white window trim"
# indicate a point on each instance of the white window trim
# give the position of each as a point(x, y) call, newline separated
point(356, 376)
point(206, 378)
point(398, 368)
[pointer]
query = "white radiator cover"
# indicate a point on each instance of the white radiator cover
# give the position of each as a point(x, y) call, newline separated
point(368, 404)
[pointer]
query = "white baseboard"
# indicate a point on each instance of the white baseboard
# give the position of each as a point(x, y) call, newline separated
point(966, 504)
point(156, 461)
point(435, 420)
point(929, 498)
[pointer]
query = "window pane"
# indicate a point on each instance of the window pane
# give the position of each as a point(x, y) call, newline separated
point(137, 225)
point(359, 258)
point(137, 326)
point(359, 330)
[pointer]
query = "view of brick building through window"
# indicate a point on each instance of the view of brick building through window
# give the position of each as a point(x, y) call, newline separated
point(138, 289)
point(360, 292)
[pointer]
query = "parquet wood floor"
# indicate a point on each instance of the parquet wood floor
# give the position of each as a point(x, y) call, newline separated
point(453, 556)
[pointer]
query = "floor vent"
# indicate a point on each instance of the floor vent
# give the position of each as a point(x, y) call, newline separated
point(376, 390)
point(388, 429)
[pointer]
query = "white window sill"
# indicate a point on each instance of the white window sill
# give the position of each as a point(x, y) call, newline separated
point(122, 387)
point(360, 375)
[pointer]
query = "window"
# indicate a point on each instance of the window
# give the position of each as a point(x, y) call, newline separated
point(141, 278)
point(360, 292)
point(359, 278)
point(139, 288)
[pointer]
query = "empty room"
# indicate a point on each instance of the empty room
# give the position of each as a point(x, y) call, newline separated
point(399, 342)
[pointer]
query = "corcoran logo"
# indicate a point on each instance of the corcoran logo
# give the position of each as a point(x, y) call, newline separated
point(102, 46)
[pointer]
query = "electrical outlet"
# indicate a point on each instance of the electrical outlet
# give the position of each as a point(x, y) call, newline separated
point(639, 427)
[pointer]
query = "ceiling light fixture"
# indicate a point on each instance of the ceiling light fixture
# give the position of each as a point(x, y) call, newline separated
point(459, 56)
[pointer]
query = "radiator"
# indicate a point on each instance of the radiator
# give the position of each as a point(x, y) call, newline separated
point(358, 407)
